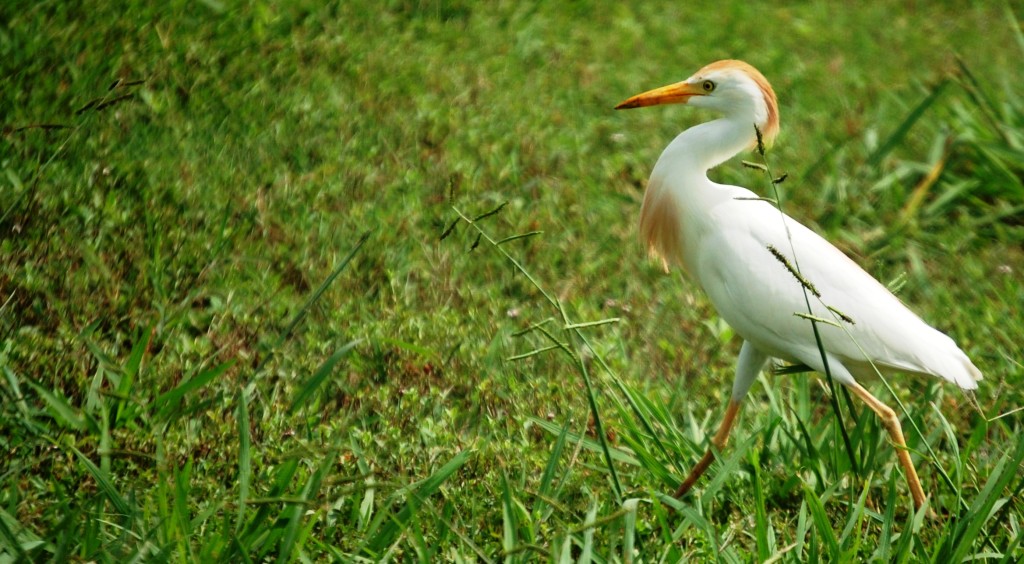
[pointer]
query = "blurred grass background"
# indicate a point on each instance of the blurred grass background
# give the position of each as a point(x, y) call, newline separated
point(185, 379)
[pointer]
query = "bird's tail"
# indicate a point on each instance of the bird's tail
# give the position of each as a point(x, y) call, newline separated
point(951, 363)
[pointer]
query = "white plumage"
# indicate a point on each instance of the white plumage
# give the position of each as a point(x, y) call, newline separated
point(728, 241)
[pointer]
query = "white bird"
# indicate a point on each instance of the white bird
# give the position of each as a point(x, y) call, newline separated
point(744, 253)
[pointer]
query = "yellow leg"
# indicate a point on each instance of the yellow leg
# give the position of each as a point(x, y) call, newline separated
point(892, 424)
point(719, 441)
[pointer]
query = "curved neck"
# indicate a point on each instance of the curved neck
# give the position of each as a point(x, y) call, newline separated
point(671, 218)
point(707, 145)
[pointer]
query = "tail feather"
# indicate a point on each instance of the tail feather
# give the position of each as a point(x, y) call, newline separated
point(948, 362)
point(968, 379)
point(938, 357)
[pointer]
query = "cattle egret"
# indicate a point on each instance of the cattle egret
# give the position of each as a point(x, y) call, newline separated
point(768, 275)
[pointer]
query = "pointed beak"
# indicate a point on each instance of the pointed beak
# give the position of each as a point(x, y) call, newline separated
point(678, 93)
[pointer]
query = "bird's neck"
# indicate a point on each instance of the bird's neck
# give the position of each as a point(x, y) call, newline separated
point(679, 191)
point(705, 146)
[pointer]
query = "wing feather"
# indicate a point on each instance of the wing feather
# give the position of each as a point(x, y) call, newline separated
point(755, 293)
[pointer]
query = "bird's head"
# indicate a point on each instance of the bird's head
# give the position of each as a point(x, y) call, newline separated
point(731, 87)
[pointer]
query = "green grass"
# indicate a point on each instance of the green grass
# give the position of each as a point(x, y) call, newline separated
point(231, 329)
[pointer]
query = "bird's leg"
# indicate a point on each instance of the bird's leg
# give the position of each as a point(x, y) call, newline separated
point(718, 441)
point(748, 366)
point(892, 425)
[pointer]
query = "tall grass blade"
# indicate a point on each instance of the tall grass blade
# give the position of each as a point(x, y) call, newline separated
point(508, 517)
point(951, 440)
point(973, 522)
point(546, 489)
point(587, 442)
point(629, 529)
point(259, 533)
point(291, 543)
point(62, 411)
point(659, 464)
point(362, 513)
point(106, 441)
point(317, 379)
point(167, 402)
point(1012, 552)
point(130, 371)
point(909, 534)
point(383, 537)
point(103, 481)
point(180, 515)
point(635, 401)
point(882, 553)
point(807, 290)
point(576, 330)
point(16, 395)
point(849, 540)
point(311, 301)
point(823, 525)
point(802, 528)
point(900, 133)
point(244, 456)
point(981, 99)
point(565, 556)
point(8, 526)
point(728, 469)
point(760, 514)
point(587, 552)
point(602, 438)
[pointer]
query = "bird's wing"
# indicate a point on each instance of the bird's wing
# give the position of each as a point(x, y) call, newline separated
point(759, 295)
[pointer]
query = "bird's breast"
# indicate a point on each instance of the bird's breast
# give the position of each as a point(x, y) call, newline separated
point(675, 216)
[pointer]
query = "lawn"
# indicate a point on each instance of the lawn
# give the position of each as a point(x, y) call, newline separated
point(362, 281)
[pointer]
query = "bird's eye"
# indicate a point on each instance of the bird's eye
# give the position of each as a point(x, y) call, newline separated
point(708, 86)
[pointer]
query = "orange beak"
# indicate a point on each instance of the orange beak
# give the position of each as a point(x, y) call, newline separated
point(678, 93)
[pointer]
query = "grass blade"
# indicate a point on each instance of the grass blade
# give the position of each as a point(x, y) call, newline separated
point(909, 534)
point(849, 540)
point(130, 371)
point(383, 537)
point(587, 442)
point(317, 379)
point(508, 517)
point(629, 529)
point(980, 512)
point(258, 526)
point(17, 396)
point(313, 298)
point(882, 554)
point(728, 469)
point(822, 524)
point(802, 528)
point(546, 488)
point(180, 514)
point(602, 437)
point(291, 543)
point(897, 136)
point(60, 409)
point(103, 481)
point(587, 553)
point(168, 401)
point(244, 457)
point(761, 523)
point(8, 524)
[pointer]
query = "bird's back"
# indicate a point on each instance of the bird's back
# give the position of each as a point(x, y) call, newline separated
point(747, 266)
